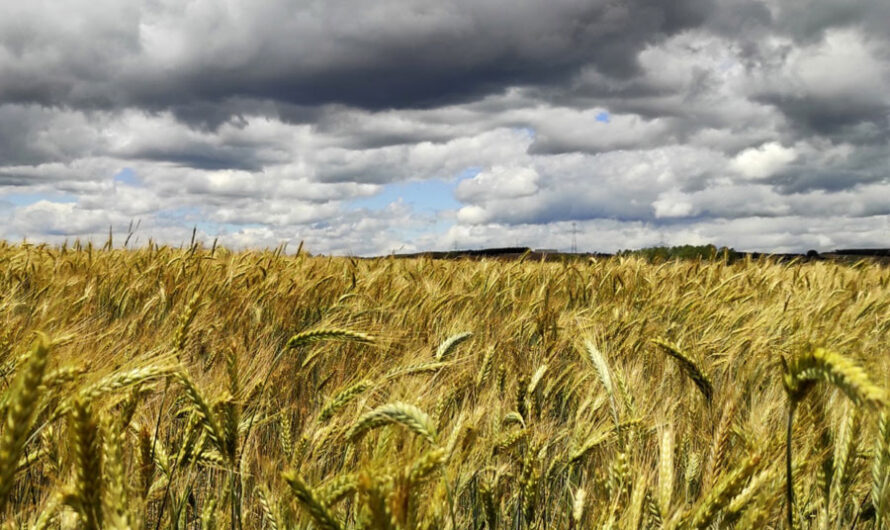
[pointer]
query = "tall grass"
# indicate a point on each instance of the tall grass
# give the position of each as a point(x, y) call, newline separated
point(187, 388)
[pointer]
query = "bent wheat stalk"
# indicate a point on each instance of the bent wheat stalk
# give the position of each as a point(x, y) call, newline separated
point(799, 377)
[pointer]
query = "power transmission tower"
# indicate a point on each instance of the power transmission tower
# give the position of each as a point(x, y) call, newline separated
point(574, 237)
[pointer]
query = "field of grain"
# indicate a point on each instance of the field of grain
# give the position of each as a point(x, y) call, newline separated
point(199, 388)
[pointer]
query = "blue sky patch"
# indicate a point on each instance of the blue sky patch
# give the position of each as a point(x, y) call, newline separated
point(604, 117)
point(529, 132)
point(423, 196)
point(185, 213)
point(127, 176)
point(26, 199)
point(468, 173)
point(428, 196)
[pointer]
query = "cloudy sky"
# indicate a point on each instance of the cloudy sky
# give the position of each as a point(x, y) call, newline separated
point(371, 127)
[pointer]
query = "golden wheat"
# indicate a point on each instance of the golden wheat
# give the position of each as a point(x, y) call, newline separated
point(189, 378)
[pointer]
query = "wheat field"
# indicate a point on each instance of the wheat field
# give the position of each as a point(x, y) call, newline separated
point(203, 388)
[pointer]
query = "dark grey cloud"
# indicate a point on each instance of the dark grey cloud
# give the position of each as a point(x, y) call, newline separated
point(859, 121)
point(867, 164)
point(389, 54)
point(31, 135)
point(807, 20)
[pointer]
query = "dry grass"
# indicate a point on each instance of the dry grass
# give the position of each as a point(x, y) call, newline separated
point(193, 388)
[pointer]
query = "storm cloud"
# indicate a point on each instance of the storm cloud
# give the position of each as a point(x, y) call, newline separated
point(408, 125)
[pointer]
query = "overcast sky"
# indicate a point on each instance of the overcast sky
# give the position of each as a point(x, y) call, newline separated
point(371, 127)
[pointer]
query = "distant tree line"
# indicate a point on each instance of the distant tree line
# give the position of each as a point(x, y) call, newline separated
point(664, 253)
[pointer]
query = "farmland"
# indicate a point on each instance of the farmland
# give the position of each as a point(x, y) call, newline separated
point(204, 388)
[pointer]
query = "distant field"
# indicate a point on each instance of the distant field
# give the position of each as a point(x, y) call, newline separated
point(170, 388)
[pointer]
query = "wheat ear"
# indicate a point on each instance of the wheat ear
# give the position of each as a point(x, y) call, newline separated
point(880, 471)
point(203, 410)
point(337, 488)
point(578, 507)
point(665, 471)
point(121, 380)
point(407, 415)
point(427, 464)
point(317, 335)
point(598, 360)
point(720, 443)
point(689, 367)
point(20, 414)
point(342, 399)
point(310, 501)
point(88, 483)
point(185, 321)
point(485, 367)
point(831, 367)
point(449, 344)
point(270, 517)
point(844, 455)
point(414, 369)
point(724, 492)
point(115, 501)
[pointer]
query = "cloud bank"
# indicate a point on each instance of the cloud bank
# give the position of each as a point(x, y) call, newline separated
point(417, 125)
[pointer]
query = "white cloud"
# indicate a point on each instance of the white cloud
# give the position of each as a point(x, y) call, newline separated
point(500, 182)
point(843, 65)
point(672, 204)
point(763, 161)
point(63, 219)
